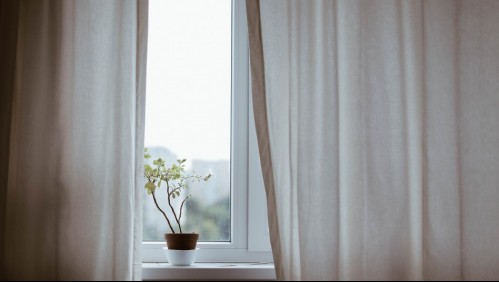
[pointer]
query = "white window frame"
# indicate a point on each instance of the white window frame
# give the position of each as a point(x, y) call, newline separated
point(249, 234)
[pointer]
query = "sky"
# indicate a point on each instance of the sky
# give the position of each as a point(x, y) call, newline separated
point(188, 107)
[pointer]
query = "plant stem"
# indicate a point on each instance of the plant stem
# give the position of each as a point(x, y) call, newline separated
point(167, 220)
point(170, 204)
point(181, 206)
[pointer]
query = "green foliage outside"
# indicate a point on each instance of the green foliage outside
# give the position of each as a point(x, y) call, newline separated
point(212, 222)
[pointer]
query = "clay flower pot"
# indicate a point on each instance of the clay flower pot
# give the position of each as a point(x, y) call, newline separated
point(181, 241)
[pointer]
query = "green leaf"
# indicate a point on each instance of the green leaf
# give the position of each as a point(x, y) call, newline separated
point(207, 177)
point(150, 186)
point(146, 154)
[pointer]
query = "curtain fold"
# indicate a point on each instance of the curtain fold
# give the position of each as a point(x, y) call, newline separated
point(8, 32)
point(73, 192)
point(261, 124)
point(381, 122)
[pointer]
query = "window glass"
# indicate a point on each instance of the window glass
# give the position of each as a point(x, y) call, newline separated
point(188, 111)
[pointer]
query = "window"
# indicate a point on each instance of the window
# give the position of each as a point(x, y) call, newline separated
point(189, 110)
point(198, 108)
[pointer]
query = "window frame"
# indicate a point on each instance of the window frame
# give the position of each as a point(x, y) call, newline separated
point(249, 228)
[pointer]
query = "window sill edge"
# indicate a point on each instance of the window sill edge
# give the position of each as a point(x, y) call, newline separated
point(208, 271)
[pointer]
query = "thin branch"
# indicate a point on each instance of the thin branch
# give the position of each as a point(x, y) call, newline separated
point(170, 204)
point(192, 178)
point(157, 205)
point(181, 206)
point(175, 189)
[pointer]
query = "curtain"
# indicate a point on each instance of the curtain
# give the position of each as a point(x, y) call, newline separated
point(72, 138)
point(378, 133)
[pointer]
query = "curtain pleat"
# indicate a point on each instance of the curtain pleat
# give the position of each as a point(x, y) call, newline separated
point(381, 122)
point(140, 107)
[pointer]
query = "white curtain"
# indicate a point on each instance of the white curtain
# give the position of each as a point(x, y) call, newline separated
point(72, 139)
point(382, 122)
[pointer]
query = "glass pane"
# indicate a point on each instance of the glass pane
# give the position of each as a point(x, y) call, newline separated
point(188, 111)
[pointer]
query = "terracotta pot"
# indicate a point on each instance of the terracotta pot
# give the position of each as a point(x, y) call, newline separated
point(181, 241)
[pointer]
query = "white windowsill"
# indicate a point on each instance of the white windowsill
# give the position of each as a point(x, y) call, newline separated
point(208, 271)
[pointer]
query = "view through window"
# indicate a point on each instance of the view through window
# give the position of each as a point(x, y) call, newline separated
point(188, 111)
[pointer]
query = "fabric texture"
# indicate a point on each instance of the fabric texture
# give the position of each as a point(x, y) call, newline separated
point(382, 125)
point(73, 133)
point(8, 32)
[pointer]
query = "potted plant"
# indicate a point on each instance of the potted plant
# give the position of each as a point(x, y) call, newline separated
point(174, 178)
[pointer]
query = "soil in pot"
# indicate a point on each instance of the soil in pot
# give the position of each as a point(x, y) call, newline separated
point(181, 241)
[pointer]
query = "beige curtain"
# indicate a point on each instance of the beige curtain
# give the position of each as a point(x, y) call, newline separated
point(72, 117)
point(378, 127)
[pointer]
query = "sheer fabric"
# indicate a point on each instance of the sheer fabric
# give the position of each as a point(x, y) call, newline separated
point(378, 130)
point(72, 133)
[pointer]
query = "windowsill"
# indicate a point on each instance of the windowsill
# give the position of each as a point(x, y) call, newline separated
point(208, 271)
